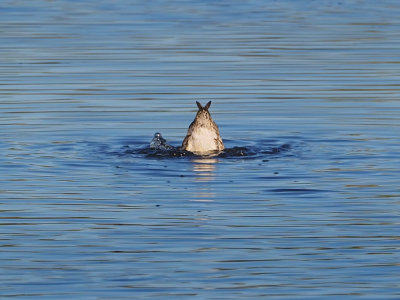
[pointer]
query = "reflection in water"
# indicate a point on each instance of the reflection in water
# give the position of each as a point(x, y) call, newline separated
point(204, 169)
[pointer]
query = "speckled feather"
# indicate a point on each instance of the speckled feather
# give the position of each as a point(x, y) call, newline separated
point(203, 134)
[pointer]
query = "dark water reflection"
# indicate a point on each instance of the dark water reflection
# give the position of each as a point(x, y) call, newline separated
point(304, 203)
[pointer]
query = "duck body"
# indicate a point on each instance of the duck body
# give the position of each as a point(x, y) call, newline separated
point(203, 134)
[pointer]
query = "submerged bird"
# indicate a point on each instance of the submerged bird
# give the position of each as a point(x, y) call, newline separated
point(203, 135)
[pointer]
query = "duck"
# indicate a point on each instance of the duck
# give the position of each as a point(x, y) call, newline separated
point(203, 135)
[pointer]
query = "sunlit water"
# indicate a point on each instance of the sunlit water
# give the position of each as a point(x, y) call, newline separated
point(307, 203)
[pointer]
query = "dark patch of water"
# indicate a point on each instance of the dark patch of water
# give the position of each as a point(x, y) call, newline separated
point(295, 191)
point(256, 151)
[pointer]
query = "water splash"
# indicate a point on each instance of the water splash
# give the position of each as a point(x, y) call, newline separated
point(159, 148)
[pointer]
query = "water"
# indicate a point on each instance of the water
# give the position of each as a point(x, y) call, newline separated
point(309, 90)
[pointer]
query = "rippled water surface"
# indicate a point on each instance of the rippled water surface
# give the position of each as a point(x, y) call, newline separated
point(307, 91)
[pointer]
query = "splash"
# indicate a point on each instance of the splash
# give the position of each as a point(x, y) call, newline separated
point(159, 148)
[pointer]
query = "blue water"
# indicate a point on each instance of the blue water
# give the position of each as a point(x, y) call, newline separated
point(309, 90)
